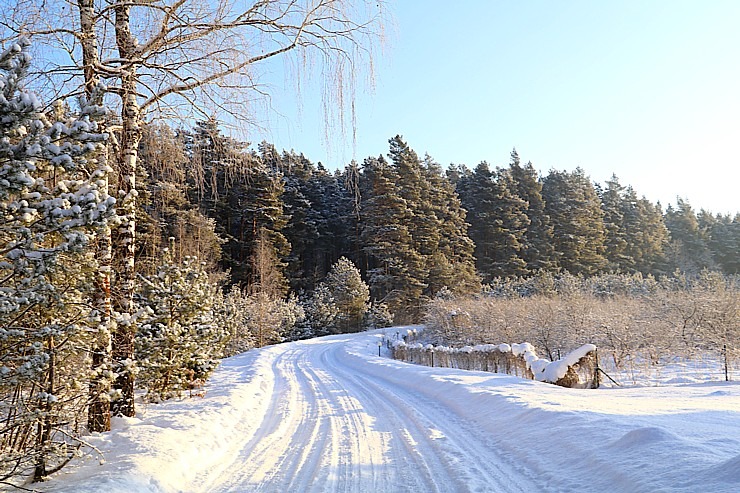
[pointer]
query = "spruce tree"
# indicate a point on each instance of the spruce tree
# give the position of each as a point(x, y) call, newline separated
point(395, 269)
point(537, 252)
point(575, 210)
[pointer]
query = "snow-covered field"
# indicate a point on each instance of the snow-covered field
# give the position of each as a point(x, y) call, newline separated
point(330, 415)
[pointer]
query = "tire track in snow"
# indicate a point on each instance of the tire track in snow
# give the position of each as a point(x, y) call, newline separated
point(332, 427)
point(411, 470)
point(265, 457)
point(346, 442)
point(458, 444)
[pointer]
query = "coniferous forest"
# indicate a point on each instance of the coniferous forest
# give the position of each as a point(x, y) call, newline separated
point(223, 245)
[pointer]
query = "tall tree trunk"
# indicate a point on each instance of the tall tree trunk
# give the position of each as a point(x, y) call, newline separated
point(125, 242)
point(99, 401)
point(46, 423)
point(98, 417)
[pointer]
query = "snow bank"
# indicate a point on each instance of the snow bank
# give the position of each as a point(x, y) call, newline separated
point(170, 447)
point(442, 429)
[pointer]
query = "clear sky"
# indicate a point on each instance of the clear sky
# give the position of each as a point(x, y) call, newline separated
point(646, 89)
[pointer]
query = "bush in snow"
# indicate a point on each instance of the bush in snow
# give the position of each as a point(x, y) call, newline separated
point(256, 320)
point(637, 322)
point(52, 202)
point(378, 316)
point(179, 340)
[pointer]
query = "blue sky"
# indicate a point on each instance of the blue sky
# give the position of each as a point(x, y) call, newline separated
point(648, 90)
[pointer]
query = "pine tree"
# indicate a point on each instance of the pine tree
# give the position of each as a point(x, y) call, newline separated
point(689, 251)
point(578, 221)
point(437, 222)
point(498, 224)
point(645, 235)
point(350, 295)
point(178, 342)
point(414, 190)
point(395, 271)
point(616, 244)
point(453, 263)
point(537, 250)
point(724, 241)
point(53, 200)
point(321, 311)
point(301, 230)
point(321, 227)
point(219, 170)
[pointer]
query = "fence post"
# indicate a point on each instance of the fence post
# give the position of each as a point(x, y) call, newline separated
point(727, 372)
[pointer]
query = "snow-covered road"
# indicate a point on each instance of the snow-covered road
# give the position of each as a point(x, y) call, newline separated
point(329, 415)
point(331, 426)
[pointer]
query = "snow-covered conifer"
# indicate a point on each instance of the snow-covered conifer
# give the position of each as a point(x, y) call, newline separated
point(350, 294)
point(178, 341)
point(321, 311)
point(230, 311)
point(52, 201)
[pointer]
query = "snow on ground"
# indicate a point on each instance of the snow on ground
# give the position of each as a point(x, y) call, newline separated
point(328, 414)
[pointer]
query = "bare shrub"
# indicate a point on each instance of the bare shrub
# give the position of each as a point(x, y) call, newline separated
point(638, 323)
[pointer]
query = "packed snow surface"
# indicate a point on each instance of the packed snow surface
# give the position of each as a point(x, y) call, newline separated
point(328, 415)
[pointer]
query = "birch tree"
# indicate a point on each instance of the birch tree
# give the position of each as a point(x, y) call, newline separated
point(189, 58)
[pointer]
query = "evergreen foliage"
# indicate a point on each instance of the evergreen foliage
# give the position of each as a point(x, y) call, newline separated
point(395, 269)
point(178, 342)
point(636, 237)
point(574, 208)
point(689, 250)
point(452, 264)
point(321, 312)
point(52, 202)
point(414, 233)
point(723, 232)
point(498, 223)
point(350, 295)
point(538, 251)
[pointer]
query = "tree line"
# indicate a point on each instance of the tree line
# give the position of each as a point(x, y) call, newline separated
point(414, 229)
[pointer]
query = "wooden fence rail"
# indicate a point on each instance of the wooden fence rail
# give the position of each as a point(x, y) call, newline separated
point(577, 369)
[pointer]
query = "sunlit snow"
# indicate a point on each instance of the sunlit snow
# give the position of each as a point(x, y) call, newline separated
point(330, 415)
